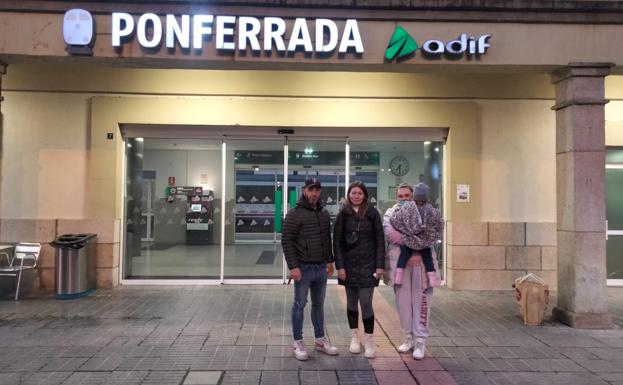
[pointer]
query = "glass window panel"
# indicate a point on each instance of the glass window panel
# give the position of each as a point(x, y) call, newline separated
point(384, 165)
point(614, 198)
point(173, 196)
point(614, 256)
point(322, 159)
point(614, 155)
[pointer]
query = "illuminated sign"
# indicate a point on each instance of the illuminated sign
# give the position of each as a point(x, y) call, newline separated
point(401, 45)
point(232, 33)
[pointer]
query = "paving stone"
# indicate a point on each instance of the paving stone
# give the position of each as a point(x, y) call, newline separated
point(436, 378)
point(202, 378)
point(600, 366)
point(44, 378)
point(241, 378)
point(63, 364)
point(394, 378)
point(356, 377)
point(319, 377)
point(164, 378)
point(270, 377)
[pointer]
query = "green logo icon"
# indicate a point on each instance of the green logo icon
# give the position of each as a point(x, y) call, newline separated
point(401, 44)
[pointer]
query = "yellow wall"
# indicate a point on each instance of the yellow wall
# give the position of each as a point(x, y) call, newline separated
point(502, 148)
point(44, 155)
point(518, 161)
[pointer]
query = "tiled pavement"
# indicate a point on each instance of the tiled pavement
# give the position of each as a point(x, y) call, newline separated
point(241, 335)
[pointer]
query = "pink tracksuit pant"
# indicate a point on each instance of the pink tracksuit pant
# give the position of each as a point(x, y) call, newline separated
point(413, 305)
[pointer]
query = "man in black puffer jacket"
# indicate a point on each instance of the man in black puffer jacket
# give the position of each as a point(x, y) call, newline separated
point(306, 242)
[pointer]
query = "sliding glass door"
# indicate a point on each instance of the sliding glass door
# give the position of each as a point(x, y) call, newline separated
point(253, 209)
point(213, 209)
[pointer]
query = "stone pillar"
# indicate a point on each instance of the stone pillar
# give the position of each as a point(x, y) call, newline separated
point(580, 193)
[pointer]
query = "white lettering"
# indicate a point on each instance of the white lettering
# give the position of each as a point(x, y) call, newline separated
point(351, 37)
point(231, 33)
point(201, 26)
point(457, 47)
point(274, 34)
point(331, 27)
point(119, 31)
point(245, 34)
point(433, 47)
point(174, 31)
point(222, 32)
point(300, 36)
point(141, 30)
point(472, 45)
point(483, 44)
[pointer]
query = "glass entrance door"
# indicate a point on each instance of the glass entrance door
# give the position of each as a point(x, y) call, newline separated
point(212, 210)
point(614, 216)
point(253, 209)
point(324, 160)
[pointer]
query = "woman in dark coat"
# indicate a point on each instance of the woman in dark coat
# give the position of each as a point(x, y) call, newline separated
point(359, 248)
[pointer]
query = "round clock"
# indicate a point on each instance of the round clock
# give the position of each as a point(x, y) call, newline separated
point(399, 165)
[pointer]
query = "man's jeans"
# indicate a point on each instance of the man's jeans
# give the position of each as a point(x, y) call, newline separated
point(314, 280)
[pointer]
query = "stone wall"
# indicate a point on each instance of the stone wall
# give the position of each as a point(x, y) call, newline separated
point(45, 231)
point(490, 255)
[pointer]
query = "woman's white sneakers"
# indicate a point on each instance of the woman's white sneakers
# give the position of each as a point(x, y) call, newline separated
point(407, 345)
point(298, 347)
point(418, 346)
point(322, 344)
point(369, 348)
point(355, 343)
point(419, 350)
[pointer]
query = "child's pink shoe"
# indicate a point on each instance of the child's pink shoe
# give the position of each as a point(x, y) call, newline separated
point(432, 279)
point(399, 274)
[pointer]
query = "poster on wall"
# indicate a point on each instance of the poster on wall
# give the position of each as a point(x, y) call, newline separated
point(462, 193)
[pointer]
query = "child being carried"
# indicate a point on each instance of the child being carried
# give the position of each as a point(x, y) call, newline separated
point(407, 219)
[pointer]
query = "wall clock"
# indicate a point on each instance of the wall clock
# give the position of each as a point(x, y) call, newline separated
point(399, 165)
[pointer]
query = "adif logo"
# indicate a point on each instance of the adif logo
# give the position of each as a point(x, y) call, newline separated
point(78, 29)
point(401, 45)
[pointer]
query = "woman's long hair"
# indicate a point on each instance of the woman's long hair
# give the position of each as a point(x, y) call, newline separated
point(364, 205)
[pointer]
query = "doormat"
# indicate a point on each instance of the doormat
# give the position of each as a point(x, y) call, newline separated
point(266, 258)
point(158, 246)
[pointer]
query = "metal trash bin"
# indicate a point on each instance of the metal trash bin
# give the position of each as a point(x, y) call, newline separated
point(75, 273)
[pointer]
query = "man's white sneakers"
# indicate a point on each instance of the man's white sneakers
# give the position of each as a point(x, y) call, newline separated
point(420, 349)
point(323, 345)
point(355, 343)
point(299, 350)
point(369, 347)
point(407, 345)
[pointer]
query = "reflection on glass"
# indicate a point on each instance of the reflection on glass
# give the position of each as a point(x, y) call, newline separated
point(384, 165)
